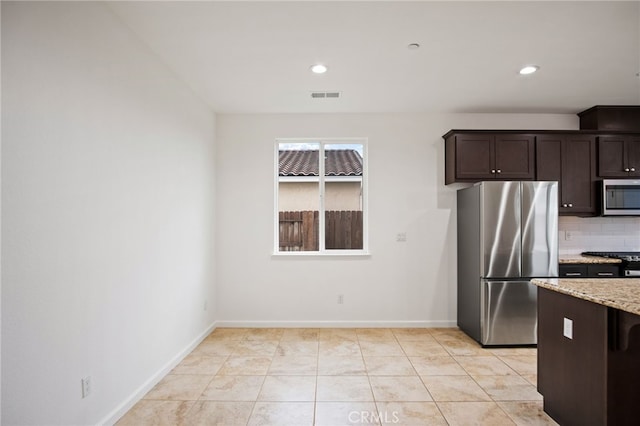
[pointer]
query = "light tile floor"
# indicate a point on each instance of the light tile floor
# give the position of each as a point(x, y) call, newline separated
point(337, 377)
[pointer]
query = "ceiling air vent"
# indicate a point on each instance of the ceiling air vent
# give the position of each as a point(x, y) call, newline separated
point(325, 95)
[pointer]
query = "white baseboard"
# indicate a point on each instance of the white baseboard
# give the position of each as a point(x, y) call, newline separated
point(335, 324)
point(128, 403)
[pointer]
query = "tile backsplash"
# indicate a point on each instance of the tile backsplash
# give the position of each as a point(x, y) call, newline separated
point(578, 234)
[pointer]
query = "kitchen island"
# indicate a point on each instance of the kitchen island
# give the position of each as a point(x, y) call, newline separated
point(589, 350)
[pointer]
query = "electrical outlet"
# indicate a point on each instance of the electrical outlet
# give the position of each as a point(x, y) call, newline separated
point(567, 329)
point(568, 235)
point(340, 299)
point(86, 386)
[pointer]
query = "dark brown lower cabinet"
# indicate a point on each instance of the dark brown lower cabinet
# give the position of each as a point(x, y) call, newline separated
point(593, 376)
point(588, 270)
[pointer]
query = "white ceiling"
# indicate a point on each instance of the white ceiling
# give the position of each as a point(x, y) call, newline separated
point(254, 57)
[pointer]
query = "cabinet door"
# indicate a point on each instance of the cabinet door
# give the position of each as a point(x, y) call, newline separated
point(549, 159)
point(515, 157)
point(570, 160)
point(632, 150)
point(549, 163)
point(571, 370)
point(578, 176)
point(573, 271)
point(603, 271)
point(474, 157)
point(612, 160)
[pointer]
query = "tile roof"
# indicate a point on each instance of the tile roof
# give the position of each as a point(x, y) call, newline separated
point(339, 162)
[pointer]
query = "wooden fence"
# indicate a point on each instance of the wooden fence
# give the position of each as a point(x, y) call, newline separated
point(298, 230)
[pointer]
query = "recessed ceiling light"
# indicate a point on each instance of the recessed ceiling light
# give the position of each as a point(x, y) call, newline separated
point(529, 69)
point(319, 69)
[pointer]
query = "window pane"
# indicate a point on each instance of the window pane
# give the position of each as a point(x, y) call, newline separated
point(343, 168)
point(298, 196)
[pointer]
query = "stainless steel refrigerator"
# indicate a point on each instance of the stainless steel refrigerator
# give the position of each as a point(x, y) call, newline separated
point(507, 234)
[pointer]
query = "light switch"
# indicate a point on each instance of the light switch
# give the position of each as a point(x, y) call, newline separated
point(568, 328)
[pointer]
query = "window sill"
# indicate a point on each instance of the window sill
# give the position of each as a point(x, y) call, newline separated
point(323, 255)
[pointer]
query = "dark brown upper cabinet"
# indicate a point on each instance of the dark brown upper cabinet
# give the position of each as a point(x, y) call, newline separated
point(476, 156)
point(570, 160)
point(607, 118)
point(618, 156)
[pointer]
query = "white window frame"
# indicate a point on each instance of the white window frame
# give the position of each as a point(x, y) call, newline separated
point(322, 251)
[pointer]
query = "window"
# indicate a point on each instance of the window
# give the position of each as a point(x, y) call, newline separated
point(321, 202)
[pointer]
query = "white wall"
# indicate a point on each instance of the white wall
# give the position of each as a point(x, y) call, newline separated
point(107, 214)
point(401, 283)
point(0, 239)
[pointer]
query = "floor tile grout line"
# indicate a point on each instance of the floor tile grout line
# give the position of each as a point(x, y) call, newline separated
point(253, 409)
point(366, 370)
point(441, 412)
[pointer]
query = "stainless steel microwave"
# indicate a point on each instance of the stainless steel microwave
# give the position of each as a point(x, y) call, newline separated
point(621, 197)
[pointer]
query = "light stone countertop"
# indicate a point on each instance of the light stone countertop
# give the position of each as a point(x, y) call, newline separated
point(619, 293)
point(578, 258)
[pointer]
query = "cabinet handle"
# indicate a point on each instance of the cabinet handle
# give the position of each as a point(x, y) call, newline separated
point(498, 171)
point(633, 169)
point(626, 169)
point(564, 205)
point(605, 274)
point(570, 205)
point(493, 171)
point(573, 274)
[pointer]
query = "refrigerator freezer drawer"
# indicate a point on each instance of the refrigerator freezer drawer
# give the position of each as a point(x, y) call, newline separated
point(508, 313)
